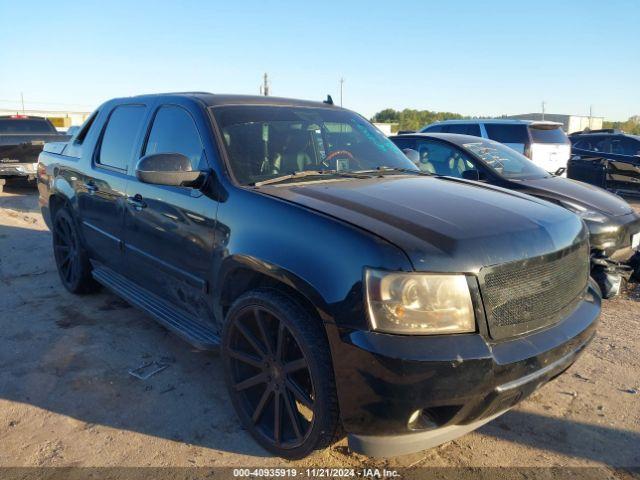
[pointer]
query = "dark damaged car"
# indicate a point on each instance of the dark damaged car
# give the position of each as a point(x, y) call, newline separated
point(346, 290)
point(613, 225)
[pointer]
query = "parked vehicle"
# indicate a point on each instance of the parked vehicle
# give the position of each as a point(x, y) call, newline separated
point(614, 227)
point(21, 140)
point(345, 289)
point(544, 143)
point(608, 159)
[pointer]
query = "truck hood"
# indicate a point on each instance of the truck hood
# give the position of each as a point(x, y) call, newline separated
point(443, 225)
point(588, 196)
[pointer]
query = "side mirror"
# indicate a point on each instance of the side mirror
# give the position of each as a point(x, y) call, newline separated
point(172, 169)
point(412, 155)
point(472, 174)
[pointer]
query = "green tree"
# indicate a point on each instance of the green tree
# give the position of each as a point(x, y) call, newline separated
point(631, 126)
point(410, 119)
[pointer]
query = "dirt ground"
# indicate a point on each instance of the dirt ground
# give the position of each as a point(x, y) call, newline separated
point(67, 399)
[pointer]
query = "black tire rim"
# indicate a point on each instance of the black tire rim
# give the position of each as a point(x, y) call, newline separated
point(270, 378)
point(65, 248)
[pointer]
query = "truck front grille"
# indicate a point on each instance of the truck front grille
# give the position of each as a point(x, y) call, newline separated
point(528, 294)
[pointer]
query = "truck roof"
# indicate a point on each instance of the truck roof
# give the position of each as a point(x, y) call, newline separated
point(215, 99)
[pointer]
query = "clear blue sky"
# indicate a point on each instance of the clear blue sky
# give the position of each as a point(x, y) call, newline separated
point(472, 57)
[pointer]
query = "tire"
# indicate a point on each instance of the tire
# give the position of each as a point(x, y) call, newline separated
point(72, 260)
point(276, 359)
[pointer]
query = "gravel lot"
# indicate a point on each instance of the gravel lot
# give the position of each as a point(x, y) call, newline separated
point(66, 398)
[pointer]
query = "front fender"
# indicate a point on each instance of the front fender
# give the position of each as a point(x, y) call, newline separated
point(321, 257)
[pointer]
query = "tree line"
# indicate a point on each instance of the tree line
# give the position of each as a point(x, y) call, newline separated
point(631, 126)
point(409, 119)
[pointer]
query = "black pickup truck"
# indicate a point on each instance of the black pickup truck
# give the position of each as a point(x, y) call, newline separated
point(21, 140)
point(345, 289)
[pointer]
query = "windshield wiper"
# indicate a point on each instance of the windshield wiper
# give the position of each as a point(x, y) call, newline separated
point(383, 168)
point(310, 173)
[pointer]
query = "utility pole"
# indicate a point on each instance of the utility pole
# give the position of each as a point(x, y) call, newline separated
point(341, 88)
point(543, 105)
point(22, 100)
point(590, 115)
point(264, 88)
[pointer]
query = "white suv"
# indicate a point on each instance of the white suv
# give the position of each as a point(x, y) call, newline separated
point(544, 143)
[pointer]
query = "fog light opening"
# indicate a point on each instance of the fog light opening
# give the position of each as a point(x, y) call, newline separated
point(430, 418)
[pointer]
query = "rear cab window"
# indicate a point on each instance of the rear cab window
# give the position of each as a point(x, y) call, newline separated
point(119, 137)
point(515, 136)
point(20, 125)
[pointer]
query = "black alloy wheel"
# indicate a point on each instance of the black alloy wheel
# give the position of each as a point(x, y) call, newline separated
point(71, 259)
point(279, 374)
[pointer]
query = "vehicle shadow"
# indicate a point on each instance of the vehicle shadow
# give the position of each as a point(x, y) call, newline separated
point(22, 196)
point(71, 355)
point(598, 443)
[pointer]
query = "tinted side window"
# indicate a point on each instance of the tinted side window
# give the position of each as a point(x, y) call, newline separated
point(403, 143)
point(624, 146)
point(442, 159)
point(433, 129)
point(514, 136)
point(120, 135)
point(463, 129)
point(595, 144)
point(174, 131)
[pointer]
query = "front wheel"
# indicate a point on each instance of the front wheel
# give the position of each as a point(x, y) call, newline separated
point(279, 374)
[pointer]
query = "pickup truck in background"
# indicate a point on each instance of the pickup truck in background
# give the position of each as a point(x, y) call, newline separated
point(22, 138)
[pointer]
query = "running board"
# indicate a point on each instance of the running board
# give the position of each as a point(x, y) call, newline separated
point(181, 323)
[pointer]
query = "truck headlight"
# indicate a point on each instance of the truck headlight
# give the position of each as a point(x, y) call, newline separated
point(419, 304)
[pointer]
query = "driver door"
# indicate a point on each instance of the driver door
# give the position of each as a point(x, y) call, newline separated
point(170, 230)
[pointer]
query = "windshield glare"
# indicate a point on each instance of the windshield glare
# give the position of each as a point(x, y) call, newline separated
point(264, 142)
point(505, 161)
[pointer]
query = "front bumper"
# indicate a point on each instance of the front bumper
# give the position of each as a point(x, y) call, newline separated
point(613, 238)
point(400, 394)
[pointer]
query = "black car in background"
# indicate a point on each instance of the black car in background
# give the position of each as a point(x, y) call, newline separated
point(606, 158)
point(614, 227)
point(345, 289)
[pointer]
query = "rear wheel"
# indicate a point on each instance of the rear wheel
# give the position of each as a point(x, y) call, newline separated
point(71, 258)
point(279, 374)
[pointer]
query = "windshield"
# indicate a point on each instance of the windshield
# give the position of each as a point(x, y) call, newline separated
point(505, 161)
point(264, 142)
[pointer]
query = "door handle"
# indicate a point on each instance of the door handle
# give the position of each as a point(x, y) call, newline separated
point(136, 202)
point(91, 187)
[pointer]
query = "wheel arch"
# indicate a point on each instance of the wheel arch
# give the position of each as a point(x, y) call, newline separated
point(242, 273)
